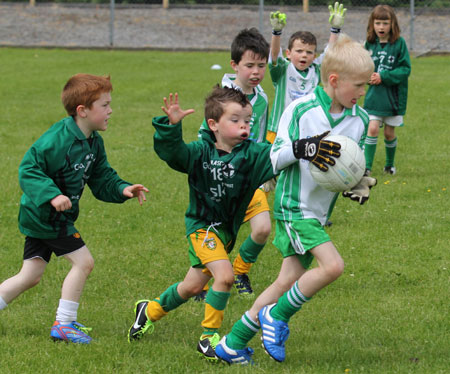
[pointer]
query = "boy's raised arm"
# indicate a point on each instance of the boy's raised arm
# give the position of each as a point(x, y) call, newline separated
point(278, 22)
point(336, 20)
point(173, 109)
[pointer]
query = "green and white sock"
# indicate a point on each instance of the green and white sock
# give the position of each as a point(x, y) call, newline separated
point(242, 332)
point(391, 147)
point(289, 304)
point(370, 148)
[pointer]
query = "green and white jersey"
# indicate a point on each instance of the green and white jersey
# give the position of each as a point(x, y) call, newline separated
point(297, 196)
point(260, 112)
point(394, 66)
point(290, 84)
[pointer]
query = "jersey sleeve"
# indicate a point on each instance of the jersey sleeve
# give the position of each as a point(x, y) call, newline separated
point(281, 154)
point(263, 166)
point(34, 172)
point(402, 70)
point(170, 147)
point(104, 182)
point(277, 71)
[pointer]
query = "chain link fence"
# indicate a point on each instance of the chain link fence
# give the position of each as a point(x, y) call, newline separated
point(204, 24)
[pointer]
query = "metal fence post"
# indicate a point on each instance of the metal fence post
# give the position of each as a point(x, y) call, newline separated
point(111, 22)
point(261, 16)
point(411, 26)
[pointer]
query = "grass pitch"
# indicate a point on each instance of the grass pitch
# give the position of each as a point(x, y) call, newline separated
point(388, 313)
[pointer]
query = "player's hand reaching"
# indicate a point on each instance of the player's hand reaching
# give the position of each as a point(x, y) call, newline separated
point(278, 21)
point(360, 192)
point(173, 109)
point(136, 190)
point(61, 203)
point(337, 16)
point(317, 150)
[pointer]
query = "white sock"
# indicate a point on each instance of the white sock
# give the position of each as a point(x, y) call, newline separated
point(67, 311)
point(3, 304)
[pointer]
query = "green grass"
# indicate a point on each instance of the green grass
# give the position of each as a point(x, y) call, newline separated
point(388, 313)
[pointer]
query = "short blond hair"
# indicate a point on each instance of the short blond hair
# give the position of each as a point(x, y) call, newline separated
point(345, 57)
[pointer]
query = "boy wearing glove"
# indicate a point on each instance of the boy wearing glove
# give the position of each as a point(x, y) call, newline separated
point(301, 206)
point(219, 196)
point(298, 73)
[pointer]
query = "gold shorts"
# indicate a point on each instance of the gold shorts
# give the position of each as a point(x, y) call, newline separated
point(257, 205)
point(205, 248)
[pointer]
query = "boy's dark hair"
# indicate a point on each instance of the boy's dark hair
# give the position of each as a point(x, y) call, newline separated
point(249, 40)
point(83, 89)
point(218, 97)
point(305, 37)
point(383, 12)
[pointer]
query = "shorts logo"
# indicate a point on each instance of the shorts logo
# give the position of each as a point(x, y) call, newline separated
point(77, 235)
point(211, 244)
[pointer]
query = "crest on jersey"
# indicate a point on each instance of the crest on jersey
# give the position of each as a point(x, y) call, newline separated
point(228, 170)
point(211, 243)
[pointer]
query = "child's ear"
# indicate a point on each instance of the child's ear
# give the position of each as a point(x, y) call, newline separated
point(81, 111)
point(333, 80)
point(233, 65)
point(211, 124)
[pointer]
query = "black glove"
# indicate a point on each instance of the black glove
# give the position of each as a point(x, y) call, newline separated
point(317, 150)
point(360, 192)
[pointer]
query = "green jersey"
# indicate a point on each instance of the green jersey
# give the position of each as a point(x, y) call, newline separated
point(61, 162)
point(297, 196)
point(392, 62)
point(221, 185)
point(260, 113)
point(290, 84)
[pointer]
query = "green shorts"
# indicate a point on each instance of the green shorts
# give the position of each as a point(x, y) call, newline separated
point(296, 238)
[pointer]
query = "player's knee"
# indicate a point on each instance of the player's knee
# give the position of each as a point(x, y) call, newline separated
point(335, 269)
point(226, 281)
point(33, 281)
point(88, 265)
point(262, 232)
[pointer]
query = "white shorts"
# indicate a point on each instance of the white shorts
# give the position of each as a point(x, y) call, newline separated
point(394, 121)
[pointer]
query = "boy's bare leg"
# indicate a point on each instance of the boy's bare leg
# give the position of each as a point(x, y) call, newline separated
point(82, 265)
point(29, 276)
point(193, 283)
point(331, 266)
point(291, 270)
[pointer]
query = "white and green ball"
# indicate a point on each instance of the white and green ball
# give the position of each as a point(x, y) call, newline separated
point(348, 170)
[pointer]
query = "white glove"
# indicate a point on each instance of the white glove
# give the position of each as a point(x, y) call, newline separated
point(270, 185)
point(278, 21)
point(360, 192)
point(337, 16)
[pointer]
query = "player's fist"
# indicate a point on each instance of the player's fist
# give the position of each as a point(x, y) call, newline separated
point(61, 203)
point(360, 192)
point(337, 15)
point(278, 21)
